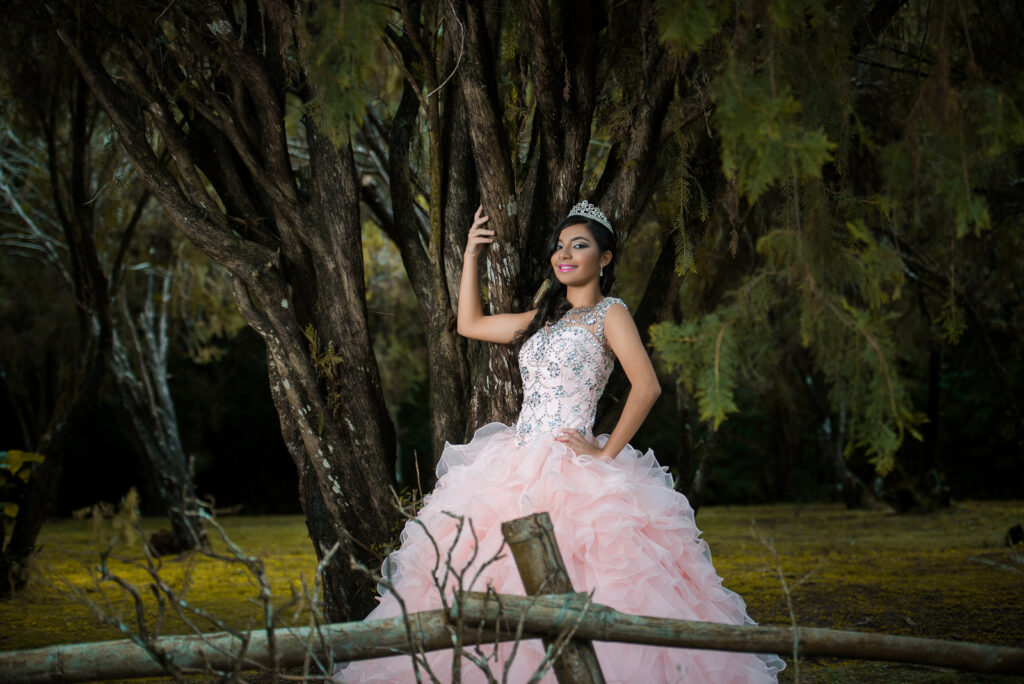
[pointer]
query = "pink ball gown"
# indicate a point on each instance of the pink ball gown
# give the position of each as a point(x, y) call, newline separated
point(624, 533)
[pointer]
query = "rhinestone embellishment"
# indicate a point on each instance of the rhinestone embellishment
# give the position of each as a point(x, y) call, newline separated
point(565, 367)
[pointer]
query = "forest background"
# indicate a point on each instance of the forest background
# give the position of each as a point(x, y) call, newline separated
point(232, 240)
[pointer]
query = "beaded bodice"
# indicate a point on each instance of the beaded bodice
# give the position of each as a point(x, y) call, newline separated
point(565, 367)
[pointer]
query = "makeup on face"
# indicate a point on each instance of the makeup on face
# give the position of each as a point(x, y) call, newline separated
point(576, 255)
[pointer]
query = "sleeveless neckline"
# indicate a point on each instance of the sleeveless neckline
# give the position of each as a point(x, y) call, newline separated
point(587, 308)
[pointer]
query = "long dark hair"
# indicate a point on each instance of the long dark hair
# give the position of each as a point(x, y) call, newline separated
point(553, 304)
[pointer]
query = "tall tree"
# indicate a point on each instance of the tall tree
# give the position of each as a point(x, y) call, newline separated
point(537, 106)
point(860, 147)
point(36, 171)
point(64, 167)
point(225, 90)
point(232, 92)
point(139, 368)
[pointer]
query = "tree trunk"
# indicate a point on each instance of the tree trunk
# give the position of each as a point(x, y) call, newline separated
point(833, 443)
point(91, 291)
point(709, 451)
point(38, 503)
point(325, 383)
point(684, 450)
point(140, 372)
point(432, 268)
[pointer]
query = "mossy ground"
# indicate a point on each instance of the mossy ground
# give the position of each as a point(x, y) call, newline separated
point(944, 575)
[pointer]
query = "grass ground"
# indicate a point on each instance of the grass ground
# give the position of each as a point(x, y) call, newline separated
point(945, 575)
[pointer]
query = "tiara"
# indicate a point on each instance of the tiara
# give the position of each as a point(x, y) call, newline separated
point(588, 210)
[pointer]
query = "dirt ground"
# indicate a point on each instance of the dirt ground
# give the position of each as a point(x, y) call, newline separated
point(945, 575)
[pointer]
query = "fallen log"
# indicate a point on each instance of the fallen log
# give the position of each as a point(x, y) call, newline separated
point(219, 651)
point(550, 614)
point(543, 616)
point(487, 619)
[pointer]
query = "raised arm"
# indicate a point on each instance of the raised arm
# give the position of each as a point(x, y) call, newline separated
point(472, 322)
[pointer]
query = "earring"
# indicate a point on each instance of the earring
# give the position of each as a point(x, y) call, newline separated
point(602, 271)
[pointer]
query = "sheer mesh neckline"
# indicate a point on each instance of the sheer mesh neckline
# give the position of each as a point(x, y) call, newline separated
point(586, 308)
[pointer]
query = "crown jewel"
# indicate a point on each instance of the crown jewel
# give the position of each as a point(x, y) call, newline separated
point(588, 210)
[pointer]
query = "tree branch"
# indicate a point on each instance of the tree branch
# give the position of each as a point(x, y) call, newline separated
point(542, 71)
point(116, 268)
point(200, 223)
point(624, 179)
point(414, 256)
point(480, 93)
point(874, 23)
point(267, 105)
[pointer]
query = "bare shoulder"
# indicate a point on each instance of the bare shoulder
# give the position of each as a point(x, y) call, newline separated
point(620, 330)
point(623, 338)
point(618, 315)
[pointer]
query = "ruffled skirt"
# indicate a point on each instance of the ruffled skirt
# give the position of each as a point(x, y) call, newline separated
point(623, 532)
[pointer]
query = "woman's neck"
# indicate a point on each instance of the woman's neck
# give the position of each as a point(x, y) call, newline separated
point(584, 297)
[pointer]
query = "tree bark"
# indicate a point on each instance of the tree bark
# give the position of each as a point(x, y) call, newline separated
point(497, 397)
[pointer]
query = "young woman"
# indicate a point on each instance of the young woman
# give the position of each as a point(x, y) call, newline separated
point(623, 532)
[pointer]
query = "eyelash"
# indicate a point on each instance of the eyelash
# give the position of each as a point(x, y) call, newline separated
point(581, 245)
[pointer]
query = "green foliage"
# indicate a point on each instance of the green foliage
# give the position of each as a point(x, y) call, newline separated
point(830, 295)
point(342, 47)
point(687, 24)
point(204, 305)
point(398, 339)
point(16, 468)
point(936, 171)
point(690, 203)
point(325, 360)
point(763, 137)
point(711, 354)
point(951, 320)
point(866, 170)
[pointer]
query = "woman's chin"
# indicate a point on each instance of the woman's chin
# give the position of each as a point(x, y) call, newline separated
point(573, 278)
